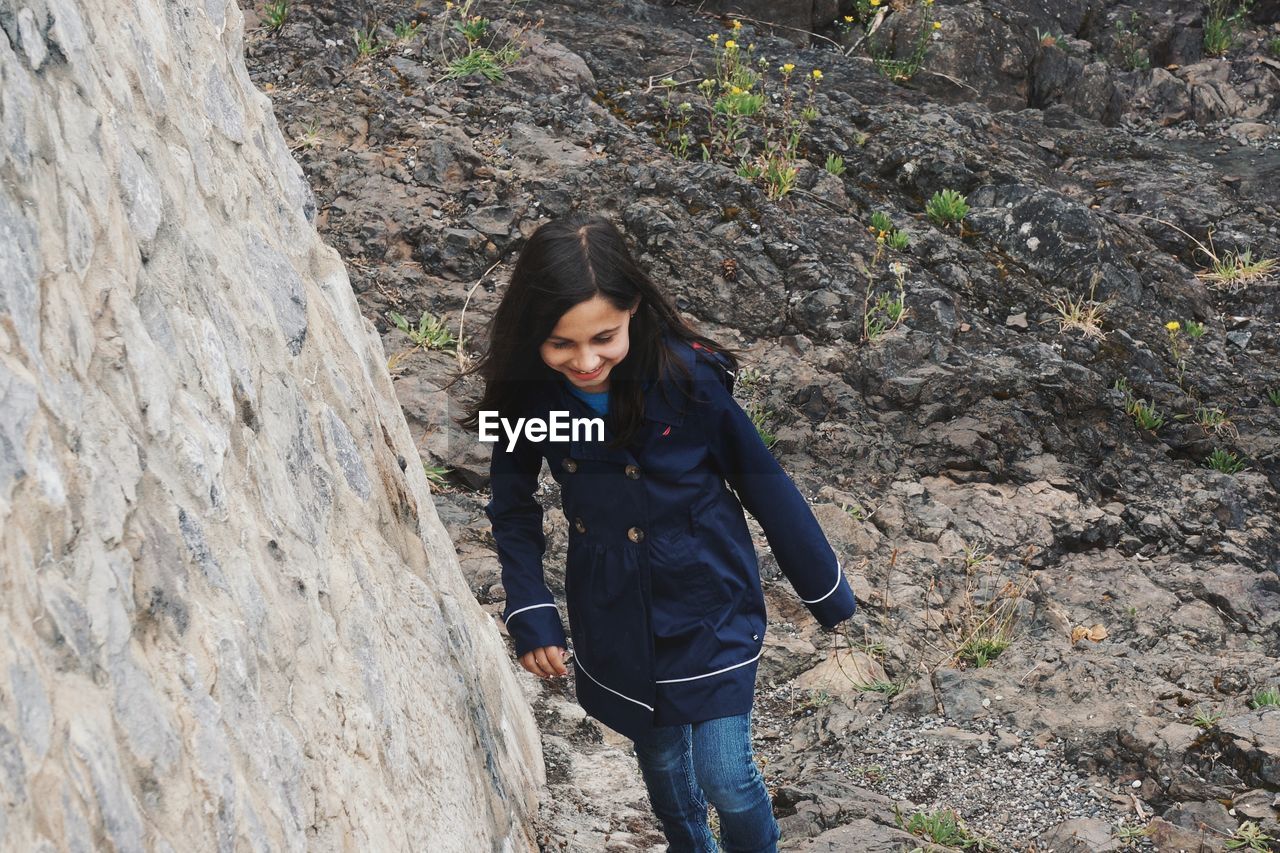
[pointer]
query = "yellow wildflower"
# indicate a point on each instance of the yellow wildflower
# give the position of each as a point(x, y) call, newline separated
point(937, 25)
point(788, 67)
point(448, 5)
point(730, 45)
point(875, 3)
point(737, 25)
point(713, 37)
point(848, 19)
point(735, 90)
point(1173, 325)
point(817, 75)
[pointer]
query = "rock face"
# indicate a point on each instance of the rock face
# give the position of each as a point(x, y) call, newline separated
point(231, 618)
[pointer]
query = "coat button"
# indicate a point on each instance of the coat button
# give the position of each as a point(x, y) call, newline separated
point(579, 526)
point(633, 472)
point(635, 534)
point(569, 464)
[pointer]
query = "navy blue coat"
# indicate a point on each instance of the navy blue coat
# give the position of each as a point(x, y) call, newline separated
point(662, 585)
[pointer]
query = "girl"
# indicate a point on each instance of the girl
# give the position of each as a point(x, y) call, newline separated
point(662, 586)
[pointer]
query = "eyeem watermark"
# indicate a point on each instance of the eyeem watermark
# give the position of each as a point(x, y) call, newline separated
point(560, 427)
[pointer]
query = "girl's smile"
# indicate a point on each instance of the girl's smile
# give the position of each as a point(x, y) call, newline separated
point(588, 341)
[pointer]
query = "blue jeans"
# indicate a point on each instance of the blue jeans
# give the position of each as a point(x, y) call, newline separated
point(686, 766)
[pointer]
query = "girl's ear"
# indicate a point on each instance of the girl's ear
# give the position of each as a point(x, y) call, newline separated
point(635, 306)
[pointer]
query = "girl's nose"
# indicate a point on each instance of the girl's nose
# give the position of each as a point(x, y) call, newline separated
point(585, 363)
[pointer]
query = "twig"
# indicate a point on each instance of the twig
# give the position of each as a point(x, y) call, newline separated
point(667, 74)
point(870, 31)
point(462, 318)
point(770, 24)
point(949, 79)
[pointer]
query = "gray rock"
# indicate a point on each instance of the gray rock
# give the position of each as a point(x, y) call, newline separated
point(31, 37)
point(20, 259)
point(1079, 835)
point(348, 455)
point(35, 717)
point(275, 276)
point(143, 197)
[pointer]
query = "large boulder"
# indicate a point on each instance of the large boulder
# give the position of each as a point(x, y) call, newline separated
point(231, 617)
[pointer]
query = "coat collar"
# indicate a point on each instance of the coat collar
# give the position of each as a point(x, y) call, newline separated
point(663, 399)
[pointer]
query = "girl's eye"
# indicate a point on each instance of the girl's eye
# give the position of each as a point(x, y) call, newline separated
point(567, 344)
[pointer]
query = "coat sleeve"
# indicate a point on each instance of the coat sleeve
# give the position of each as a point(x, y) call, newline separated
point(797, 540)
point(531, 615)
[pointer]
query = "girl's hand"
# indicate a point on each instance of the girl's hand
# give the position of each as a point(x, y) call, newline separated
point(546, 661)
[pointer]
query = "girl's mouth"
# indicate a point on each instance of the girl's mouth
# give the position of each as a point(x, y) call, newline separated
point(577, 374)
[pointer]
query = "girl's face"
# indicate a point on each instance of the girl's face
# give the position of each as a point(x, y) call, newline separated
point(589, 340)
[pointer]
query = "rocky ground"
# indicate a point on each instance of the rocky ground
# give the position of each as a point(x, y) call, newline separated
point(975, 466)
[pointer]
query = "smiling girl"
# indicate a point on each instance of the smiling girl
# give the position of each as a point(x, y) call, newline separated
point(662, 586)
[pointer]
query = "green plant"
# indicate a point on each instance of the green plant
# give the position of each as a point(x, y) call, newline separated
point(1274, 396)
point(469, 46)
point(1222, 23)
point(310, 137)
point(275, 14)
point(980, 651)
point(1195, 330)
point(760, 416)
point(430, 332)
point(983, 620)
point(1233, 270)
point(947, 207)
point(1214, 420)
point(942, 827)
point(883, 52)
point(747, 380)
point(882, 227)
point(810, 700)
point(484, 62)
point(1133, 56)
point(872, 649)
point(755, 122)
point(889, 310)
point(1205, 719)
point(779, 177)
point(676, 136)
point(1145, 415)
point(366, 42)
point(436, 474)
point(1177, 349)
point(473, 28)
point(888, 688)
point(1267, 697)
point(1273, 46)
point(835, 164)
point(1129, 834)
point(1081, 313)
point(974, 557)
point(1224, 461)
point(406, 31)
point(1249, 836)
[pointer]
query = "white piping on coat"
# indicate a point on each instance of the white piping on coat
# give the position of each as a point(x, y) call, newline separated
point(709, 674)
point(839, 577)
point(523, 609)
point(578, 663)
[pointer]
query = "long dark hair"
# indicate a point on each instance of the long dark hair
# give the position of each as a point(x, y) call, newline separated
point(568, 261)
